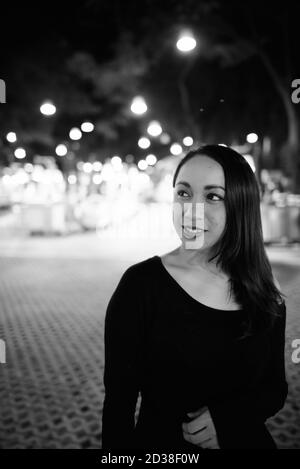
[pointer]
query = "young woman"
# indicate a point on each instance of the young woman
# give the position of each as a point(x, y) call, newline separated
point(199, 331)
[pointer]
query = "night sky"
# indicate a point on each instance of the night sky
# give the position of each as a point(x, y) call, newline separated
point(230, 93)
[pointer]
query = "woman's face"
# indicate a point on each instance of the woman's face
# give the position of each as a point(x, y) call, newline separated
point(199, 202)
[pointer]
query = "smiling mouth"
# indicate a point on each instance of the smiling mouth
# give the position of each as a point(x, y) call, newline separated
point(193, 229)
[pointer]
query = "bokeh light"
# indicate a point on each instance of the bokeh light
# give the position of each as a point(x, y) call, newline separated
point(87, 127)
point(61, 150)
point(48, 109)
point(11, 137)
point(154, 129)
point(138, 106)
point(20, 153)
point(176, 149)
point(75, 134)
point(144, 143)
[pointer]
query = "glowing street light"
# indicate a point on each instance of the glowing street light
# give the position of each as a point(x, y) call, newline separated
point(75, 134)
point(20, 153)
point(138, 106)
point(142, 165)
point(97, 179)
point(48, 108)
point(61, 150)
point(87, 127)
point(176, 149)
point(87, 167)
point(117, 163)
point(151, 159)
point(252, 138)
point(188, 141)
point(97, 166)
point(154, 129)
point(11, 137)
point(186, 42)
point(144, 143)
point(116, 160)
point(72, 179)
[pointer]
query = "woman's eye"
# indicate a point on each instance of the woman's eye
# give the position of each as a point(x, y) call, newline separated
point(215, 195)
point(180, 193)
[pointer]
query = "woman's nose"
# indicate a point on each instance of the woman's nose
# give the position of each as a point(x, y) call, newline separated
point(193, 210)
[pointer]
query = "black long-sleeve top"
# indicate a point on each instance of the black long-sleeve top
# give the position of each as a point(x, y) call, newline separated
point(181, 355)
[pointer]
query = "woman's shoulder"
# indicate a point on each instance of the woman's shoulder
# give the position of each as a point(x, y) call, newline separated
point(141, 269)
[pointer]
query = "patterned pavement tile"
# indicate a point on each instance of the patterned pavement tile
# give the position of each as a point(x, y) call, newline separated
point(51, 317)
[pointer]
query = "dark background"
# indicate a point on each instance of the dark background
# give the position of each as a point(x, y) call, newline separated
point(92, 57)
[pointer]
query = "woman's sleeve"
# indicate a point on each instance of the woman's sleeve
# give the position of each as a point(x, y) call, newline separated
point(268, 396)
point(123, 338)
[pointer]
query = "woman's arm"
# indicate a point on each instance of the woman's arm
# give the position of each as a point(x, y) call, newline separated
point(123, 338)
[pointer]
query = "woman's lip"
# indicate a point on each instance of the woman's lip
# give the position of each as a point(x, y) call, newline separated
point(194, 229)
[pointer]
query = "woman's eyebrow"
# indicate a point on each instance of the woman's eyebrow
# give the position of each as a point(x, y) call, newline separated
point(209, 186)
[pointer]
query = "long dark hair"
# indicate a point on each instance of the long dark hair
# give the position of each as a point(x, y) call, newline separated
point(240, 252)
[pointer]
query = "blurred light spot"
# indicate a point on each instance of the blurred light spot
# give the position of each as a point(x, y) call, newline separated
point(144, 143)
point(48, 109)
point(165, 139)
point(252, 138)
point(138, 105)
point(75, 134)
point(97, 179)
point(87, 167)
point(97, 165)
point(61, 150)
point(28, 167)
point(87, 127)
point(20, 153)
point(188, 141)
point(72, 179)
point(176, 149)
point(142, 164)
point(151, 159)
point(186, 43)
point(154, 129)
point(11, 137)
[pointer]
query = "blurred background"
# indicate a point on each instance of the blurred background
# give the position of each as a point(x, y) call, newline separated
point(102, 100)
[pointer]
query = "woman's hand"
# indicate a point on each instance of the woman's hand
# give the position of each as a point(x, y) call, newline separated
point(201, 430)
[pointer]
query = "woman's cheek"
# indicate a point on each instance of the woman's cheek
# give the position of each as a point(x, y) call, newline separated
point(177, 216)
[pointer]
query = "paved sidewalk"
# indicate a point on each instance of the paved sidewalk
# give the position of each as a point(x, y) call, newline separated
point(53, 297)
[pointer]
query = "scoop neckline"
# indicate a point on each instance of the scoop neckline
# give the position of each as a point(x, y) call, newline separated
point(188, 295)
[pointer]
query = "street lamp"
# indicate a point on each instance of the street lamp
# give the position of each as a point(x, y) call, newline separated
point(138, 106)
point(87, 127)
point(75, 134)
point(144, 143)
point(151, 159)
point(176, 149)
point(154, 129)
point(61, 150)
point(188, 141)
point(20, 153)
point(48, 108)
point(252, 138)
point(11, 137)
point(186, 42)
point(142, 165)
